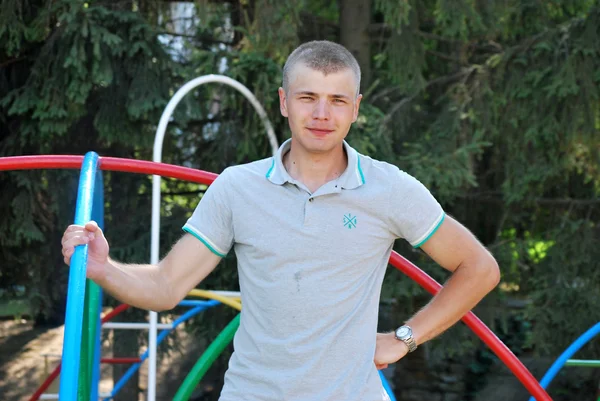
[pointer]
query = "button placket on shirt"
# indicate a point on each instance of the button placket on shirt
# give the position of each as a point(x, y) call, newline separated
point(309, 208)
point(312, 202)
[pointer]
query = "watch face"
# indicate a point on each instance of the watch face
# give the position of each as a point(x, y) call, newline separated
point(403, 332)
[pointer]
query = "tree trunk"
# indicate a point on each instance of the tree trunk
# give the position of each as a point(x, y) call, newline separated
point(355, 18)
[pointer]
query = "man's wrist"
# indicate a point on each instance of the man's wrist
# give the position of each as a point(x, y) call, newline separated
point(404, 334)
point(400, 347)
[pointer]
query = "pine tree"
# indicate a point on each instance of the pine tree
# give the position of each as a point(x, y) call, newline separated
point(492, 104)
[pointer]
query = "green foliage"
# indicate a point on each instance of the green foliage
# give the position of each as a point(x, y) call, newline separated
point(93, 52)
point(19, 25)
point(83, 76)
point(573, 272)
point(494, 105)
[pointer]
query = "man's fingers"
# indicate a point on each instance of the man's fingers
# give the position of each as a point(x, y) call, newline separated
point(77, 240)
point(67, 253)
point(73, 228)
point(76, 235)
point(68, 247)
point(72, 231)
point(92, 226)
point(88, 230)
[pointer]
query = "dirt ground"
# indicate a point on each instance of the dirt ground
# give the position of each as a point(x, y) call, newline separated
point(23, 366)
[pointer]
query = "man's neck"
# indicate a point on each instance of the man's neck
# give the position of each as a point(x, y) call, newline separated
point(315, 170)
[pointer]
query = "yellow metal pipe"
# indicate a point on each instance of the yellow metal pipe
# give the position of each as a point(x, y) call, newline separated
point(229, 301)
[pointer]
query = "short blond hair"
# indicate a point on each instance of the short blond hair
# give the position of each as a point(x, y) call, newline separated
point(324, 56)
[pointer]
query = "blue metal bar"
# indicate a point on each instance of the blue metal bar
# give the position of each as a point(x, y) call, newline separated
point(76, 289)
point(386, 386)
point(190, 302)
point(163, 334)
point(568, 353)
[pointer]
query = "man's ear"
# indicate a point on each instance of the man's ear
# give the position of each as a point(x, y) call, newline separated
point(282, 102)
point(356, 108)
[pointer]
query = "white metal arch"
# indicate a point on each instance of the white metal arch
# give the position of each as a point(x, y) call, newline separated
point(156, 196)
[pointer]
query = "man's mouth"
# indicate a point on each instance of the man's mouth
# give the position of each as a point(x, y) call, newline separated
point(320, 131)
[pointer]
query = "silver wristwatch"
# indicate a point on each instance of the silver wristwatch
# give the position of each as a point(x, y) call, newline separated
point(405, 334)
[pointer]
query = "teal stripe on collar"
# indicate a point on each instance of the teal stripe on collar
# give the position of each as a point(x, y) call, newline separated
point(271, 169)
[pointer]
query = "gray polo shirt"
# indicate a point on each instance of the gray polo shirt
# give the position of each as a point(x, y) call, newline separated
point(311, 266)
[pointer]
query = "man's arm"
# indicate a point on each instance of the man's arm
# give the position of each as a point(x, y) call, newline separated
point(152, 287)
point(163, 286)
point(474, 274)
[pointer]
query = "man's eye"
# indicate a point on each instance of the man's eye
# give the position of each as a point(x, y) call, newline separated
point(306, 98)
point(339, 101)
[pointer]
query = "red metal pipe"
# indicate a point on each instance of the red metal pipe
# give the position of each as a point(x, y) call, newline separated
point(39, 162)
point(185, 173)
point(478, 327)
point(114, 312)
point(52, 376)
point(163, 169)
point(44, 386)
point(108, 164)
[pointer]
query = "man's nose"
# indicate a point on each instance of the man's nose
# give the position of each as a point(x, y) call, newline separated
point(321, 110)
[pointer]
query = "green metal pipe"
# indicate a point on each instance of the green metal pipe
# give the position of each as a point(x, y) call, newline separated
point(83, 383)
point(582, 362)
point(90, 322)
point(206, 360)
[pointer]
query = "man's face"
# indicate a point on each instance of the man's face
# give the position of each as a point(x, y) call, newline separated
point(320, 108)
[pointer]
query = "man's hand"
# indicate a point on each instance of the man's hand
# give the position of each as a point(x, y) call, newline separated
point(388, 350)
point(91, 235)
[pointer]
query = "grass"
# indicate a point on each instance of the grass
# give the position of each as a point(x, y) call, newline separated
point(13, 308)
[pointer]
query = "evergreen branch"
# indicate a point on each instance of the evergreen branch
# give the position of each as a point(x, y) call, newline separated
point(437, 81)
point(428, 35)
point(11, 61)
point(505, 241)
point(385, 29)
point(567, 201)
point(489, 43)
point(542, 201)
point(444, 56)
point(203, 38)
point(384, 92)
point(316, 19)
point(526, 43)
point(198, 124)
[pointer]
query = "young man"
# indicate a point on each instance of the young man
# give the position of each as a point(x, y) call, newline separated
point(312, 228)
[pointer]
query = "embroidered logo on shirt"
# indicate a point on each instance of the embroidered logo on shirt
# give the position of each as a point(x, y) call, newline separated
point(349, 221)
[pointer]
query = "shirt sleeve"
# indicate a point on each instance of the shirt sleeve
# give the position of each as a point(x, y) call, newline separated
point(211, 221)
point(415, 213)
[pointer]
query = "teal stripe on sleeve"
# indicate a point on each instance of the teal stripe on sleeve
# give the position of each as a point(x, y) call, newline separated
point(213, 250)
point(431, 233)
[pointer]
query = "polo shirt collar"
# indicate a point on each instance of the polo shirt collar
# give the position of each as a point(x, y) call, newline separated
point(351, 178)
